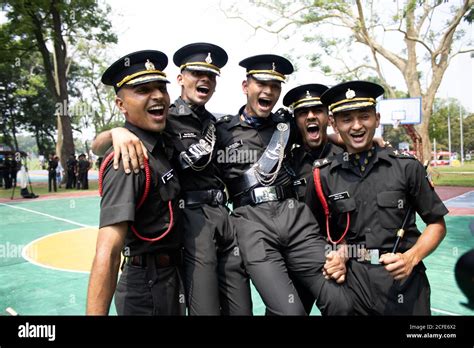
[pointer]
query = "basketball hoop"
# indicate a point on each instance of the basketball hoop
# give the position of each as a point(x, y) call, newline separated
point(397, 117)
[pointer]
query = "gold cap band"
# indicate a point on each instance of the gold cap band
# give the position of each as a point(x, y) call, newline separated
point(364, 102)
point(140, 73)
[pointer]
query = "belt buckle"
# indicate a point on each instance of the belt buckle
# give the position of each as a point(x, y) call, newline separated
point(264, 194)
point(218, 197)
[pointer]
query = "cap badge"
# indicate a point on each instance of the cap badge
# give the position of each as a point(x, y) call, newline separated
point(350, 94)
point(273, 67)
point(208, 58)
point(149, 65)
point(308, 95)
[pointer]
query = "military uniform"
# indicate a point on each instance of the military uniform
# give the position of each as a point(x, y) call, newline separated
point(368, 195)
point(151, 281)
point(215, 280)
point(52, 165)
point(302, 99)
point(71, 166)
point(83, 170)
point(276, 233)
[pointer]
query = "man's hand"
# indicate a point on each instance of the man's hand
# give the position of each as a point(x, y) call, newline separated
point(381, 143)
point(129, 146)
point(335, 266)
point(398, 265)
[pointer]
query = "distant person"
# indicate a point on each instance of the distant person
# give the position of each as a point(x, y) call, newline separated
point(52, 165)
point(2, 169)
point(82, 172)
point(71, 167)
point(59, 172)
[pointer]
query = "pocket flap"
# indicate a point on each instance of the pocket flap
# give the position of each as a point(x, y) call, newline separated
point(390, 199)
point(344, 205)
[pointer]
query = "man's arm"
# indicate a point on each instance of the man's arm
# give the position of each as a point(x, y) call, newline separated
point(103, 278)
point(401, 265)
point(126, 144)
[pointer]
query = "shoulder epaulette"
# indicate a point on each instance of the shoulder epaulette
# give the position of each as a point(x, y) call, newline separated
point(224, 119)
point(403, 154)
point(319, 163)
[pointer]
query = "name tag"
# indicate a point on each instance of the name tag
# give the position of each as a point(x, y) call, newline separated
point(235, 145)
point(299, 182)
point(187, 135)
point(338, 196)
point(167, 176)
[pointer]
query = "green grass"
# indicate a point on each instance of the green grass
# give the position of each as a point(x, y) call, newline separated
point(41, 188)
point(450, 176)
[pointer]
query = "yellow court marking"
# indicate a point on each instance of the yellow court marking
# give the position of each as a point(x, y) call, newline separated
point(72, 250)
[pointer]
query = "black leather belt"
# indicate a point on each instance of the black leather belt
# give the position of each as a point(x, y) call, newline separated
point(265, 194)
point(161, 259)
point(212, 197)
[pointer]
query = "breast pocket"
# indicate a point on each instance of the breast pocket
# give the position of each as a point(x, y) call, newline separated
point(391, 208)
point(340, 208)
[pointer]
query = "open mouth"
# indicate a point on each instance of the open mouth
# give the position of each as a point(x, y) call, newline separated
point(358, 136)
point(312, 129)
point(203, 90)
point(157, 110)
point(264, 102)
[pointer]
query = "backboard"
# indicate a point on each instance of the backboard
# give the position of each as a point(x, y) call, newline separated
point(399, 111)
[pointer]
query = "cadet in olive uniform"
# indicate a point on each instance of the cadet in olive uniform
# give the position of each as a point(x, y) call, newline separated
point(276, 233)
point(139, 213)
point(215, 280)
point(312, 119)
point(370, 193)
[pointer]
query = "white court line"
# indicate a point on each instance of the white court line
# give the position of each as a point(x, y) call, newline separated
point(458, 196)
point(47, 215)
point(34, 262)
point(444, 312)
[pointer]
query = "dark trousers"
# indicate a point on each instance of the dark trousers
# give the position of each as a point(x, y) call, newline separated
point(52, 181)
point(82, 181)
point(278, 238)
point(144, 291)
point(215, 280)
point(71, 179)
point(375, 292)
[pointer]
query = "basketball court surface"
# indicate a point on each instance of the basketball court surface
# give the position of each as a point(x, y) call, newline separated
point(47, 246)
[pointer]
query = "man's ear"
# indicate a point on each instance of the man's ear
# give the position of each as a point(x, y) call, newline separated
point(120, 104)
point(334, 124)
point(179, 78)
point(377, 119)
point(245, 87)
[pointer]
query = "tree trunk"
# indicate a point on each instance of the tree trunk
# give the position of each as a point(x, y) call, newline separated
point(13, 129)
point(65, 144)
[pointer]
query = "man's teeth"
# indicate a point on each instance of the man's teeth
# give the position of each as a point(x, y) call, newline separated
point(312, 128)
point(358, 135)
point(264, 102)
point(156, 107)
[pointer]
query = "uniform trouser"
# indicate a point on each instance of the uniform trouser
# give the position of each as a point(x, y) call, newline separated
point(375, 292)
point(278, 238)
point(71, 179)
point(215, 280)
point(144, 291)
point(52, 181)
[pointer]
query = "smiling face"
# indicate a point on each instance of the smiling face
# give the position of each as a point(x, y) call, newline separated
point(145, 106)
point(261, 96)
point(312, 123)
point(197, 87)
point(357, 128)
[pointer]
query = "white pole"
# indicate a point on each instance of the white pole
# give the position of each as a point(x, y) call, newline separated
point(461, 136)
point(434, 153)
point(449, 131)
